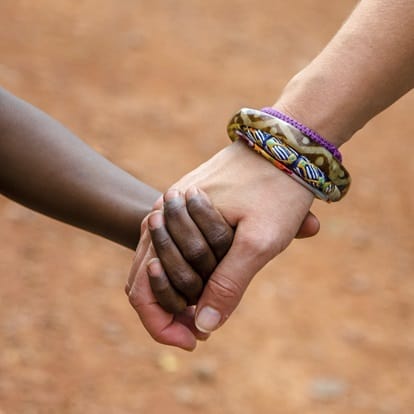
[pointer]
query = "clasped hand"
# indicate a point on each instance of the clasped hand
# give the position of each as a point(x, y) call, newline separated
point(196, 257)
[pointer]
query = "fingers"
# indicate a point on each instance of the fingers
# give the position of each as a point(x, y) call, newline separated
point(186, 235)
point(158, 204)
point(139, 253)
point(187, 318)
point(168, 298)
point(253, 246)
point(231, 278)
point(164, 327)
point(309, 227)
point(215, 229)
point(183, 278)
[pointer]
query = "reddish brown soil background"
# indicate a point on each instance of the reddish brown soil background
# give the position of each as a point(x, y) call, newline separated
point(326, 328)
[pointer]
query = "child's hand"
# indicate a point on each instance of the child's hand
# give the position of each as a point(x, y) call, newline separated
point(189, 243)
point(203, 238)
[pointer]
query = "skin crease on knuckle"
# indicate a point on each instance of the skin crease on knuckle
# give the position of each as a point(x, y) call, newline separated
point(219, 236)
point(194, 249)
point(260, 244)
point(225, 288)
point(161, 240)
point(187, 283)
point(204, 213)
point(221, 239)
point(197, 252)
point(182, 277)
point(166, 295)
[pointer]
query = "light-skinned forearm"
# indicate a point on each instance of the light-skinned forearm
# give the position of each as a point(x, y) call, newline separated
point(45, 167)
point(366, 67)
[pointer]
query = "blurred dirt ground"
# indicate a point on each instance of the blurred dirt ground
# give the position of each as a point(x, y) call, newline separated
point(326, 328)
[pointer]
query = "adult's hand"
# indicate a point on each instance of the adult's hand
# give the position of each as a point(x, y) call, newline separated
point(266, 208)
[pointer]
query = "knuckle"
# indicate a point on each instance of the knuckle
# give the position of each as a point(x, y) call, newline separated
point(261, 244)
point(222, 238)
point(186, 282)
point(197, 204)
point(162, 242)
point(226, 288)
point(159, 337)
point(159, 285)
point(174, 208)
point(197, 252)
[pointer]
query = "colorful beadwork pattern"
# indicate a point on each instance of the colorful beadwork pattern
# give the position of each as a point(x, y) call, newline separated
point(296, 163)
point(282, 167)
point(318, 155)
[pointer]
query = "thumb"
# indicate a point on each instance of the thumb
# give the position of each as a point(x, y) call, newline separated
point(231, 278)
point(309, 227)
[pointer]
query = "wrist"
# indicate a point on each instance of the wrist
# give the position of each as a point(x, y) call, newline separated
point(321, 105)
point(265, 172)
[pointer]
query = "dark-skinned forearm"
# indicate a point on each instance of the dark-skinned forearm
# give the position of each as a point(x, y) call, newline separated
point(47, 168)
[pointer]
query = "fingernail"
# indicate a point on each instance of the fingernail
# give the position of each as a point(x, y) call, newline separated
point(155, 220)
point(154, 267)
point(207, 319)
point(171, 194)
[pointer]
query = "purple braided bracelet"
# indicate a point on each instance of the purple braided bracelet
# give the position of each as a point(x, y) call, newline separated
point(310, 133)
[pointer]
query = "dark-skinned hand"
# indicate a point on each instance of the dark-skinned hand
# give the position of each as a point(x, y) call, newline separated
point(190, 239)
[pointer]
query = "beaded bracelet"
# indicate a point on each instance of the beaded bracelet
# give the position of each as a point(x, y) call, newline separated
point(315, 165)
point(255, 147)
point(300, 168)
point(310, 133)
point(296, 163)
